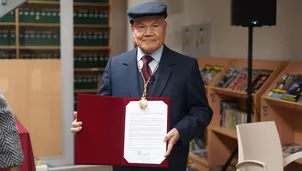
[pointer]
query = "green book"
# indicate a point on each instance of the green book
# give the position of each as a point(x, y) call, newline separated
point(105, 39)
point(12, 38)
point(9, 17)
point(2, 40)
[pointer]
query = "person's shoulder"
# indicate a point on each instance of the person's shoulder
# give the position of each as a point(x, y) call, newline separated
point(180, 57)
point(123, 56)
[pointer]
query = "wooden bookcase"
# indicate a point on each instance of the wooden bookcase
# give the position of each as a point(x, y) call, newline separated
point(101, 52)
point(286, 114)
point(31, 33)
point(222, 141)
point(202, 163)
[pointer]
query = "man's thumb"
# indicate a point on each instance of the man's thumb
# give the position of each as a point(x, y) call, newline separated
point(75, 115)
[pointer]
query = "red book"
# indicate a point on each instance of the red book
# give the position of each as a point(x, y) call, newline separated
point(101, 140)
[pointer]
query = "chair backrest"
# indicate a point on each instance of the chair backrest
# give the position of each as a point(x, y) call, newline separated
point(260, 141)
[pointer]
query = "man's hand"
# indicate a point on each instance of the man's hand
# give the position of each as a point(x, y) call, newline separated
point(172, 137)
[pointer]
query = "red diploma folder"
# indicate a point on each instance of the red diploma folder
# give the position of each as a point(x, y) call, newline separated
point(101, 140)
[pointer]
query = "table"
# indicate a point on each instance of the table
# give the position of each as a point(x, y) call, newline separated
point(29, 160)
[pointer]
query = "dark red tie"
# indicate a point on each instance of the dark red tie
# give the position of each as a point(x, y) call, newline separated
point(146, 70)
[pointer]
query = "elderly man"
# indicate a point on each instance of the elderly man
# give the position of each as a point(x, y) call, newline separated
point(11, 154)
point(166, 73)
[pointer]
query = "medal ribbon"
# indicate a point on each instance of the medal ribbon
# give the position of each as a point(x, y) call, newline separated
point(146, 82)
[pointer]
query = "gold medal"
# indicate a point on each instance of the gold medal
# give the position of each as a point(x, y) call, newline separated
point(143, 103)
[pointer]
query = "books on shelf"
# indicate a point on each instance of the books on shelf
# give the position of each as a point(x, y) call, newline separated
point(289, 149)
point(85, 82)
point(31, 54)
point(197, 152)
point(52, 38)
point(87, 38)
point(39, 38)
point(236, 79)
point(7, 37)
point(209, 72)
point(91, 16)
point(7, 55)
point(9, 17)
point(288, 88)
point(198, 149)
point(39, 15)
point(91, 59)
point(231, 114)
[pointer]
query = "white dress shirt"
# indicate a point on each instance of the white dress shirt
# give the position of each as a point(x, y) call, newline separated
point(155, 55)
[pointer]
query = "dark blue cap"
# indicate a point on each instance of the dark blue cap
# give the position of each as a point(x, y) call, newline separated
point(147, 9)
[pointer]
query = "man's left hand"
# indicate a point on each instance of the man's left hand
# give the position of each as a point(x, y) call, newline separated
point(172, 137)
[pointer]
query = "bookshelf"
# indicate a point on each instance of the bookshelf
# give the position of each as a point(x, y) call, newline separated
point(221, 140)
point(92, 54)
point(286, 114)
point(215, 67)
point(31, 33)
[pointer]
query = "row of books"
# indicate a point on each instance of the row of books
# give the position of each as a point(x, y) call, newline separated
point(236, 79)
point(198, 148)
point(291, 148)
point(39, 55)
point(288, 88)
point(52, 38)
point(91, 16)
point(52, 15)
point(90, 60)
point(7, 55)
point(39, 15)
point(9, 17)
point(231, 114)
point(91, 38)
point(7, 37)
point(84, 82)
point(209, 72)
point(39, 38)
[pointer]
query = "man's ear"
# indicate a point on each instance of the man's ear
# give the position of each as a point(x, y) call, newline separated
point(132, 28)
point(166, 27)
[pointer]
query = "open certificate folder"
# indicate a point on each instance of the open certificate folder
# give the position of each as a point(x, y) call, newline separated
point(116, 131)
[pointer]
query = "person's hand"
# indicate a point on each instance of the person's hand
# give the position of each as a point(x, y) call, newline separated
point(172, 137)
point(76, 126)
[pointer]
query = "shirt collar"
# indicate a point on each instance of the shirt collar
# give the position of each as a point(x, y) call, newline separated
point(156, 55)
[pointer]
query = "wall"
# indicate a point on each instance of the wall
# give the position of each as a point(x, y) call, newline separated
point(118, 27)
point(280, 42)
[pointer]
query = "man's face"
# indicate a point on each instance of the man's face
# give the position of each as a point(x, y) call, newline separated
point(149, 33)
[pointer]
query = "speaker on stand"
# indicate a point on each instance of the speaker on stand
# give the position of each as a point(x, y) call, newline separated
point(250, 14)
